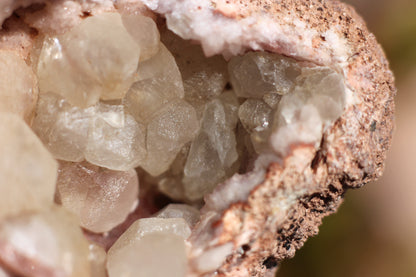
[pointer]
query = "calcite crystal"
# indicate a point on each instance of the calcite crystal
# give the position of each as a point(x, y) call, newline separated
point(27, 170)
point(72, 66)
point(18, 90)
point(50, 244)
point(100, 197)
point(98, 259)
point(242, 122)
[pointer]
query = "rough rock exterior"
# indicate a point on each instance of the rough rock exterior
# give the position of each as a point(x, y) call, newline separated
point(258, 230)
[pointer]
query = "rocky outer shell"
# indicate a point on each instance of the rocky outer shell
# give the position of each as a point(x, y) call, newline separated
point(352, 151)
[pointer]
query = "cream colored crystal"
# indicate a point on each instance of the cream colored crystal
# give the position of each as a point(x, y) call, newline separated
point(167, 134)
point(18, 90)
point(316, 101)
point(103, 134)
point(96, 59)
point(187, 212)
point(100, 197)
point(158, 254)
point(115, 139)
point(144, 31)
point(257, 73)
point(49, 240)
point(63, 128)
point(145, 226)
point(98, 259)
point(272, 99)
point(170, 183)
point(159, 83)
point(256, 117)
point(213, 152)
point(203, 78)
point(27, 170)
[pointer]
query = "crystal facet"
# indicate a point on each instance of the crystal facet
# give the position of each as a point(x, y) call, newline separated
point(96, 59)
point(100, 197)
point(27, 170)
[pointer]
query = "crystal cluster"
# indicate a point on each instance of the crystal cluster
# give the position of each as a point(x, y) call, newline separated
point(118, 101)
point(95, 60)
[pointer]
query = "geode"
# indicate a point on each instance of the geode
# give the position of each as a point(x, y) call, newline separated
point(261, 114)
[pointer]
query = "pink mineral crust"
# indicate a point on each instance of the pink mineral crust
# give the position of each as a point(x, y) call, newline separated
point(260, 218)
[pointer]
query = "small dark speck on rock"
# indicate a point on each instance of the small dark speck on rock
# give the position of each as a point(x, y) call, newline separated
point(373, 126)
point(270, 262)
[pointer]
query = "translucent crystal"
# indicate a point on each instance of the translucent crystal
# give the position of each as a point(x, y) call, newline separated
point(257, 73)
point(103, 134)
point(317, 100)
point(159, 83)
point(144, 31)
point(146, 226)
point(18, 90)
point(203, 78)
point(187, 212)
point(48, 242)
point(96, 59)
point(157, 255)
point(272, 99)
point(115, 140)
point(97, 258)
point(213, 152)
point(27, 170)
point(256, 117)
point(170, 183)
point(100, 197)
point(62, 127)
point(167, 133)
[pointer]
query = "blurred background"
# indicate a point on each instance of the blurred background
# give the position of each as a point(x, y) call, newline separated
point(374, 231)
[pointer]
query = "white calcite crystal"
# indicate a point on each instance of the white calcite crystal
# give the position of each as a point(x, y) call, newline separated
point(145, 226)
point(27, 170)
point(150, 247)
point(203, 78)
point(170, 182)
point(18, 90)
point(213, 152)
point(103, 134)
point(101, 198)
point(159, 82)
point(187, 212)
point(158, 255)
point(257, 73)
point(98, 259)
point(167, 133)
point(316, 101)
point(256, 117)
point(51, 243)
point(144, 31)
point(96, 59)
point(115, 139)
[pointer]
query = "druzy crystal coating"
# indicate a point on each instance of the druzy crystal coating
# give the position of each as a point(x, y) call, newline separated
point(119, 102)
